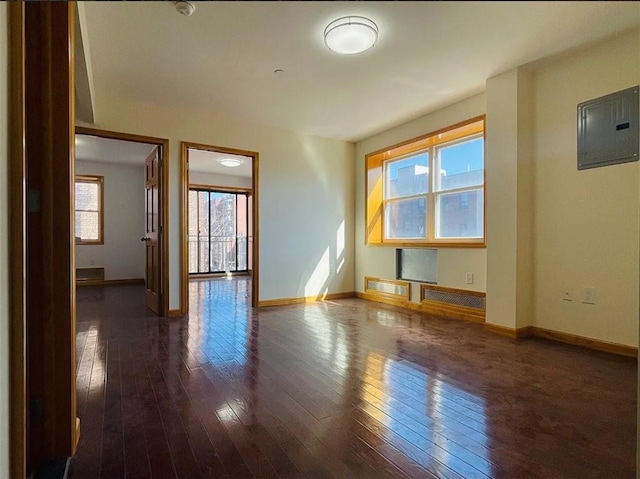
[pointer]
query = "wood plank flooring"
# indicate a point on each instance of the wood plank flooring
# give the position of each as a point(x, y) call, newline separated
point(345, 388)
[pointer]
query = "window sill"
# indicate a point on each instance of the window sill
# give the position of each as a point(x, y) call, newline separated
point(431, 244)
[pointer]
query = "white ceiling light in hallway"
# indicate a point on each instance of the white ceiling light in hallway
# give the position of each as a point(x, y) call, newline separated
point(230, 162)
point(351, 35)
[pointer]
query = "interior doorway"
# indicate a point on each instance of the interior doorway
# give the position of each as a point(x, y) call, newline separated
point(219, 227)
point(111, 153)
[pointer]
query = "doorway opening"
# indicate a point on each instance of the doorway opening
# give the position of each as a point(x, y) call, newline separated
point(219, 212)
point(121, 161)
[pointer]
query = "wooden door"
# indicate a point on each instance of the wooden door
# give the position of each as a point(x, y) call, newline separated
point(153, 232)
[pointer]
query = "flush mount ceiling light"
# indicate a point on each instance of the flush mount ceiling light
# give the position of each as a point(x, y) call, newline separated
point(230, 162)
point(350, 35)
point(185, 7)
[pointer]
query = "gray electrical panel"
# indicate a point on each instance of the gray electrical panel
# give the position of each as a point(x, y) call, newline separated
point(608, 131)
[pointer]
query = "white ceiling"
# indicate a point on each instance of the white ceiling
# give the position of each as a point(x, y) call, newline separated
point(429, 54)
point(106, 150)
point(207, 162)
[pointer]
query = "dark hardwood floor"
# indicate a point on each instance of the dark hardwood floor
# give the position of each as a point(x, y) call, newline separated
point(344, 388)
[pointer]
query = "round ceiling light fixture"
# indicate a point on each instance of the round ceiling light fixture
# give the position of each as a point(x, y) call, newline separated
point(350, 35)
point(230, 162)
point(185, 7)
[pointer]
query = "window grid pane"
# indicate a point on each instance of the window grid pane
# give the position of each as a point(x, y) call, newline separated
point(460, 165)
point(406, 218)
point(87, 196)
point(460, 214)
point(88, 225)
point(407, 177)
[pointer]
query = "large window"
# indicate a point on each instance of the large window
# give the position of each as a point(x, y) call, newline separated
point(429, 190)
point(218, 227)
point(89, 209)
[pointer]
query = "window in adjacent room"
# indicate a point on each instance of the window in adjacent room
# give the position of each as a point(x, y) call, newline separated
point(429, 190)
point(89, 209)
point(218, 230)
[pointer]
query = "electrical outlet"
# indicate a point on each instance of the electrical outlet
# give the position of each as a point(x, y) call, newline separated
point(588, 295)
point(469, 278)
point(567, 294)
point(92, 262)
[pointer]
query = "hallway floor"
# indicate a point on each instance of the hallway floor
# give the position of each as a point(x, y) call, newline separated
point(345, 388)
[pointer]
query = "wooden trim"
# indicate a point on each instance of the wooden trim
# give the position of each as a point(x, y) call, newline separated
point(306, 299)
point(99, 180)
point(184, 228)
point(568, 338)
point(373, 292)
point(163, 154)
point(388, 152)
point(110, 282)
point(218, 149)
point(426, 244)
point(453, 311)
point(17, 242)
point(184, 215)
point(63, 277)
point(174, 313)
point(524, 332)
point(445, 289)
point(590, 343)
point(229, 189)
point(512, 333)
point(97, 277)
point(118, 135)
point(49, 276)
point(255, 214)
point(164, 161)
point(401, 303)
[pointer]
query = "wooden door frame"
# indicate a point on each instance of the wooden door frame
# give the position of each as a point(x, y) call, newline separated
point(17, 242)
point(163, 143)
point(45, 128)
point(184, 215)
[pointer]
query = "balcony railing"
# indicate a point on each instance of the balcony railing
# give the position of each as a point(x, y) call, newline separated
point(217, 254)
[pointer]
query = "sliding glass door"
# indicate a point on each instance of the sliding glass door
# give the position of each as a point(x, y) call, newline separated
point(218, 226)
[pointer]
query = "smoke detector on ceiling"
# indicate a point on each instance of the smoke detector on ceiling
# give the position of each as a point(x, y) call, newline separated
point(184, 7)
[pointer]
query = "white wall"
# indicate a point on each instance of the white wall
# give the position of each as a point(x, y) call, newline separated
point(122, 255)
point(379, 261)
point(585, 222)
point(509, 158)
point(211, 179)
point(306, 194)
point(4, 251)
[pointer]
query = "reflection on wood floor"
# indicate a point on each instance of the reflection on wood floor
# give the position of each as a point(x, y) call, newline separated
point(344, 388)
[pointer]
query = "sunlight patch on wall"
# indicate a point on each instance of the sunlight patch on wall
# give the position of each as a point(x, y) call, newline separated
point(317, 283)
point(340, 240)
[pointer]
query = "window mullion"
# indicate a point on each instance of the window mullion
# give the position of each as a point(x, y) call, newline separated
point(460, 190)
point(431, 200)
